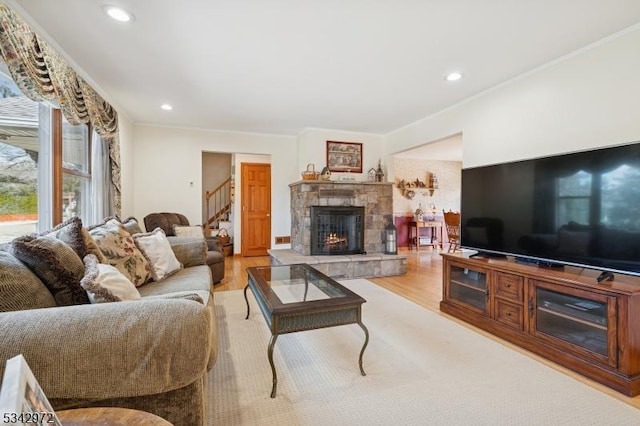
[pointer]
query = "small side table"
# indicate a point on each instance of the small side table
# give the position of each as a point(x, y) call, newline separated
point(111, 416)
point(435, 225)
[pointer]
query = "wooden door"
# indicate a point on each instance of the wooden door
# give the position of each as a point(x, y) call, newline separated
point(256, 209)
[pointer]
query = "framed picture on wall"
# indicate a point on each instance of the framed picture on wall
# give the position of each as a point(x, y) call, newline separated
point(344, 157)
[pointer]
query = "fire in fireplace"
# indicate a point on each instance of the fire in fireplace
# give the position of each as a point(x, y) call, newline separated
point(337, 230)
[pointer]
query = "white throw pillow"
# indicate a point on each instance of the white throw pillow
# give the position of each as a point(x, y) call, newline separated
point(157, 250)
point(188, 231)
point(105, 283)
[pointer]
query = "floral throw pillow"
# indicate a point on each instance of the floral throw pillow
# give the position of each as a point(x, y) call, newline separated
point(118, 247)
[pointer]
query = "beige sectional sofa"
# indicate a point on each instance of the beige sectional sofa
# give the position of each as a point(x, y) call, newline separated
point(151, 354)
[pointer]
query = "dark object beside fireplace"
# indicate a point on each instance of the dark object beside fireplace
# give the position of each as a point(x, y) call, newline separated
point(337, 230)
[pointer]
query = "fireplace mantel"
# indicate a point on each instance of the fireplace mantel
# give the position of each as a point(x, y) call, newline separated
point(337, 182)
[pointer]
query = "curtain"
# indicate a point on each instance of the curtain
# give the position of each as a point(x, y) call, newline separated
point(101, 200)
point(43, 75)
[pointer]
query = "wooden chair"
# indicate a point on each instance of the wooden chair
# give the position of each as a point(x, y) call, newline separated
point(452, 223)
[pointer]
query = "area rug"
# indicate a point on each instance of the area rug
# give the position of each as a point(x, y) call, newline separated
point(422, 369)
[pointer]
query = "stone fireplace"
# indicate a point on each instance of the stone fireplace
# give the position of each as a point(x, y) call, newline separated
point(355, 214)
point(375, 199)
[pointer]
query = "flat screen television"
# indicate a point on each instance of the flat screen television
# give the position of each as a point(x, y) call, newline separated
point(580, 209)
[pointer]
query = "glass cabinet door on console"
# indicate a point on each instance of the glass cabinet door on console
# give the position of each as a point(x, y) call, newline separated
point(585, 322)
point(468, 287)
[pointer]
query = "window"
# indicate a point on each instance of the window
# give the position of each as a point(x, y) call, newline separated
point(19, 160)
point(574, 199)
point(45, 164)
point(72, 154)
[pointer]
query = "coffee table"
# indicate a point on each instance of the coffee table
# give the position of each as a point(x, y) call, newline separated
point(296, 298)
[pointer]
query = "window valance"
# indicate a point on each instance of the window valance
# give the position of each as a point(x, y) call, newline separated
point(43, 75)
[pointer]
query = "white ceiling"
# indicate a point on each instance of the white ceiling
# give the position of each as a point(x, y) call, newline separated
point(279, 66)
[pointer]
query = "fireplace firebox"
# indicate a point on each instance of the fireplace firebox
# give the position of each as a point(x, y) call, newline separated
point(337, 230)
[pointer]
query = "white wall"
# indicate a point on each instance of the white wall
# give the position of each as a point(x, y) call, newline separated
point(585, 101)
point(312, 148)
point(167, 160)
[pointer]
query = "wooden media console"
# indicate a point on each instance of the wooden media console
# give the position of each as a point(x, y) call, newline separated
point(589, 327)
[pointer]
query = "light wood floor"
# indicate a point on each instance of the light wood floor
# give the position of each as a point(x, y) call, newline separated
point(422, 284)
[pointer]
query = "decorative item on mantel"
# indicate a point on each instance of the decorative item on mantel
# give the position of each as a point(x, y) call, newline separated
point(379, 172)
point(310, 173)
point(371, 176)
point(409, 188)
point(325, 174)
point(347, 177)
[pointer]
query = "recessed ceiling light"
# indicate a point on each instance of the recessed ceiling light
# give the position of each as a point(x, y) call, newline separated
point(454, 76)
point(118, 13)
point(166, 107)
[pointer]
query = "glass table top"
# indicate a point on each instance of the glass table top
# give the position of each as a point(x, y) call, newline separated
point(299, 283)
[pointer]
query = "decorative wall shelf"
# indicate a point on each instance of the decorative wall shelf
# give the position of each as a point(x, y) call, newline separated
point(409, 189)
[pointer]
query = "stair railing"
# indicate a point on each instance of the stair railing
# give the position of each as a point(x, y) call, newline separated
point(218, 205)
